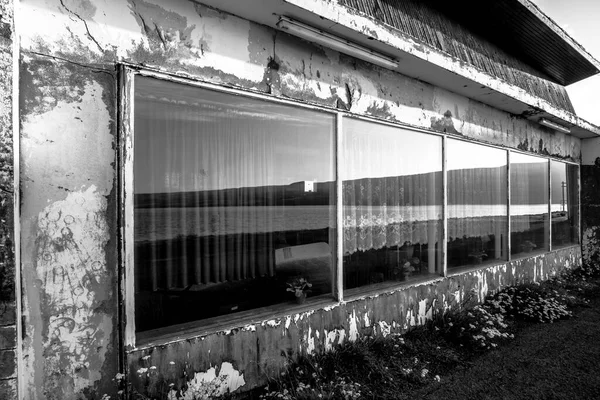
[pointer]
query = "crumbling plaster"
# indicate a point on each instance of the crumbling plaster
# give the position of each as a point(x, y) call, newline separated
point(69, 203)
point(266, 348)
point(67, 221)
point(190, 39)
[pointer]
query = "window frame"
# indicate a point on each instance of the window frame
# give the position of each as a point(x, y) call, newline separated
point(132, 340)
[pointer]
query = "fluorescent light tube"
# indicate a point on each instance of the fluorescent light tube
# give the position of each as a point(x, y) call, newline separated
point(318, 36)
point(554, 125)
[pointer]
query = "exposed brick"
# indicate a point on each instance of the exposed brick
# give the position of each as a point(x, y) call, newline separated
point(8, 337)
point(8, 364)
point(8, 389)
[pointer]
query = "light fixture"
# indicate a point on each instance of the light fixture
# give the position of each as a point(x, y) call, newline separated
point(554, 125)
point(318, 36)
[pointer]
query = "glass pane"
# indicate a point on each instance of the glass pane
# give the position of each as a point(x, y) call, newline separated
point(234, 198)
point(565, 204)
point(477, 204)
point(392, 185)
point(530, 229)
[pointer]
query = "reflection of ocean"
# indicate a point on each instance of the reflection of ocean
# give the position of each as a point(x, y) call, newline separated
point(168, 223)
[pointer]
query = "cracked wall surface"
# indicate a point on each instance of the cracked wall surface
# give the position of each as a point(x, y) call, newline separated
point(68, 229)
point(69, 169)
point(8, 314)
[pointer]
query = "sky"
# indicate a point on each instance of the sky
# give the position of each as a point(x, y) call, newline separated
point(581, 20)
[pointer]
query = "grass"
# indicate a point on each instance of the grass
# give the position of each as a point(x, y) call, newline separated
point(528, 341)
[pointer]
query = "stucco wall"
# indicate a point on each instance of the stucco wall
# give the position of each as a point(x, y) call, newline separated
point(69, 229)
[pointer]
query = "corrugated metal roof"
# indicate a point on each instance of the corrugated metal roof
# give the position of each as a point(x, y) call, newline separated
point(437, 25)
point(517, 27)
point(521, 28)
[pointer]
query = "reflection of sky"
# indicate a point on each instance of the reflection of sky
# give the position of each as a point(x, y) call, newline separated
point(558, 171)
point(464, 155)
point(374, 150)
point(189, 139)
point(519, 158)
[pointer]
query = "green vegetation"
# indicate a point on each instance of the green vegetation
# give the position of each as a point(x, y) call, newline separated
point(427, 360)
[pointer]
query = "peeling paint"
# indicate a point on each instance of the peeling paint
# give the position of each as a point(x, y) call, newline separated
point(227, 380)
point(353, 327)
point(366, 322)
point(334, 338)
point(309, 340)
point(272, 323)
point(384, 328)
point(72, 268)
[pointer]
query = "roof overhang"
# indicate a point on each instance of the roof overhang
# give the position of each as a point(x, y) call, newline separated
point(519, 27)
point(415, 59)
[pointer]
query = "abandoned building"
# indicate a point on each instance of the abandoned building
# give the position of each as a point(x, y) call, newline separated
point(175, 172)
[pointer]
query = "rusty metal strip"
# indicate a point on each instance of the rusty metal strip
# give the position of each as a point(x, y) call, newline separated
point(579, 238)
point(444, 271)
point(339, 161)
point(508, 200)
point(127, 289)
point(549, 205)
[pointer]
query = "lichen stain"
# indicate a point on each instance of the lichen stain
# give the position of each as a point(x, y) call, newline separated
point(53, 160)
point(307, 72)
point(444, 124)
point(165, 29)
point(524, 145)
point(74, 284)
point(591, 245)
point(189, 38)
point(381, 111)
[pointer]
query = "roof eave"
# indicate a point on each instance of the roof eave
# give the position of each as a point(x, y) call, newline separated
point(416, 59)
point(551, 24)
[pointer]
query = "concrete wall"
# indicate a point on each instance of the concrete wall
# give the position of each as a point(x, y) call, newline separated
point(8, 305)
point(69, 169)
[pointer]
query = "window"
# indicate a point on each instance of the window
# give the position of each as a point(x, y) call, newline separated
point(392, 196)
point(564, 204)
point(477, 204)
point(529, 220)
point(234, 197)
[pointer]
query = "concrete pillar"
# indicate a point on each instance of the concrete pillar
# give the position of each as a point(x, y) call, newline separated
point(8, 300)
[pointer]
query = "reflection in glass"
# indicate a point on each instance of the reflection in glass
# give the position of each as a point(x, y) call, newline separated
point(564, 204)
point(392, 193)
point(477, 204)
point(234, 197)
point(530, 229)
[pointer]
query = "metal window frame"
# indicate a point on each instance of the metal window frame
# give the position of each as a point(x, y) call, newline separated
point(578, 181)
point(127, 74)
